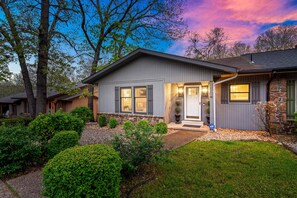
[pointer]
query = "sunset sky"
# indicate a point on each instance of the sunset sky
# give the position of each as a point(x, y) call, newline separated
point(242, 20)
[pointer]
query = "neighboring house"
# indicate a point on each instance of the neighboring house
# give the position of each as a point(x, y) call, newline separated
point(146, 84)
point(17, 104)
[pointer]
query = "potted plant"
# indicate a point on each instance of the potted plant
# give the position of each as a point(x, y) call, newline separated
point(177, 112)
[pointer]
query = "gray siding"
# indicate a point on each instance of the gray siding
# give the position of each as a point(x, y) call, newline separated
point(149, 70)
point(240, 115)
point(107, 95)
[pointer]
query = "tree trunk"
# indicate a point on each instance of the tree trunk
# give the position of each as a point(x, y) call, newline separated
point(42, 67)
point(28, 86)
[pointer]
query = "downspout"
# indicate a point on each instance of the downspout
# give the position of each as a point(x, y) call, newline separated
point(214, 95)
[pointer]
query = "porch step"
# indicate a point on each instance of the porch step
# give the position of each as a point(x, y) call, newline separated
point(183, 127)
point(192, 123)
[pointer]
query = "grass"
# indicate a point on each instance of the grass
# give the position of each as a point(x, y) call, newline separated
point(225, 169)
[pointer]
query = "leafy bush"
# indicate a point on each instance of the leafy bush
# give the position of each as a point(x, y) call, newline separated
point(161, 128)
point(137, 147)
point(128, 126)
point(61, 141)
point(143, 125)
point(10, 122)
point(18, 149)
point(83, 113)
point(46, 125)
point(102, 120)
point(83, 171)
point(113, 123)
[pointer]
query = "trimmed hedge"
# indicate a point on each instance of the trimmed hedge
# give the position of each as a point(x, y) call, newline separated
point(46, 125)
point(161, 128)
point(61, 141)
point(143, 125)
point(102, 121)
point(113, 123)
point(10, 122)
point(83, 113)
point(18, 149)
point(83, 171)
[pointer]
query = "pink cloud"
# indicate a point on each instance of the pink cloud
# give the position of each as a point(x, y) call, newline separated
point(241, 19)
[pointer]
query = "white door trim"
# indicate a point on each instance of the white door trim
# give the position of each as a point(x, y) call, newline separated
point(185, 101)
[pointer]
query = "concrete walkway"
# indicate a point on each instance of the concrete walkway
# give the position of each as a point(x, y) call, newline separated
point(181, 138)
point(30, 185)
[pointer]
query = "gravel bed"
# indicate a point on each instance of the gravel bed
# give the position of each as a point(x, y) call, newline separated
point(230, 135)
point(96, 135)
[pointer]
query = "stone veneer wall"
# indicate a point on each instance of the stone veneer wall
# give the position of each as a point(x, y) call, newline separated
point(278, 94)
point(121, 118)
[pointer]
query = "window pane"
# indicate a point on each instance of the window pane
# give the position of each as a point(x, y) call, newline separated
point(192, 91)
point(140, 105)
point(126, 92)
point(126, 104)
point(140, 92)
point(239, 88)
point(239, 96)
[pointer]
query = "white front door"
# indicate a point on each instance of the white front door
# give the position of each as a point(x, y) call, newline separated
point(192, 102)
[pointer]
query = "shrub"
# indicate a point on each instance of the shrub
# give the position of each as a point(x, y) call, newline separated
point(18, 149)
point(143, 125)
point(138, 147)
point(61, 141)
point(113, 123)
point(102, 120)
point(10, 122)
point(83, 171)
point(161, 128)
point(46, 125)
point(83, 113)
point(128, 126)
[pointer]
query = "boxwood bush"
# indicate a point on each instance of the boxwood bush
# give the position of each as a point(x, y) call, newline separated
point(102, 121)
point(113, 123)
point(46, 125)
point(83, 171)
point(10, 122)
point(143, 125)
point(83, 113)
point(61, 141)
point(18, 149)
point(161, 128)
point(128, 126)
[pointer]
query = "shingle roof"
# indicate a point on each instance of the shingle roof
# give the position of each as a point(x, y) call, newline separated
point(263, 61)
point(8, 100)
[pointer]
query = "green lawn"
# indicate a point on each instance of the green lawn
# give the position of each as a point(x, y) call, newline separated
point(225, 169)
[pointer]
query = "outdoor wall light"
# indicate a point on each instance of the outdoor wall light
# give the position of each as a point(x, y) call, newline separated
point(205, 91)
point(180, 91)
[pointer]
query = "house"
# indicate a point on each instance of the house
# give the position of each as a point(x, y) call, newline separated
point(17, 104)
point(147, 84)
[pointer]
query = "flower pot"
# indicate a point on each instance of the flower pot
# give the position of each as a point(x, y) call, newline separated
point(177, 119)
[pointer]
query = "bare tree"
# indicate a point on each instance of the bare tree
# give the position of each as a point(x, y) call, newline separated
point(212, 46)
point(239, 48)
point(277, 38)
point(115, 27)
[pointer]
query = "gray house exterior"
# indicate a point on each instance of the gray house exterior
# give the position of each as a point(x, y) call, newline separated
point(147, 84)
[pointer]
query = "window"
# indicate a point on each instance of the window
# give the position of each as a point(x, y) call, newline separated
point(291, 99)
point(239, 93)
point(140, 100)
point(126, 100)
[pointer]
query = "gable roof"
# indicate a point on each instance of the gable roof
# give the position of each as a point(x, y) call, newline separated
point(277, 60)
point(140, 52)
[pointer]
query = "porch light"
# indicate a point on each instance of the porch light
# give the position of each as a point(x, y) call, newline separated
point(180, 91)
point(205, 91)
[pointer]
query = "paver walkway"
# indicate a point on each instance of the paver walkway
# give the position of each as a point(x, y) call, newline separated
point(4, 191)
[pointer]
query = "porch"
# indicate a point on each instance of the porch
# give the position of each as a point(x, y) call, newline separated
point(190, 103)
